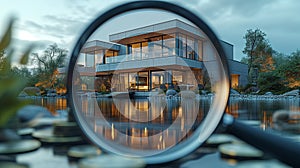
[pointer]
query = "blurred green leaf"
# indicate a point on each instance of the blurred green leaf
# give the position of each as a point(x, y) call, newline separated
point(6, 39)
point(25, 56)
point(10, 84)
point(6, 65)
point(9, 110)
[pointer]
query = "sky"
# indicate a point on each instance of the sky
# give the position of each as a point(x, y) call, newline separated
point(45, 22)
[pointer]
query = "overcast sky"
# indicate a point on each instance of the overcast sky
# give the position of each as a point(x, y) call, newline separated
point(61, 21)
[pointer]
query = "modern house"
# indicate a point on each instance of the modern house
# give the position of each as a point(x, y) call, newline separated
point(162, 54)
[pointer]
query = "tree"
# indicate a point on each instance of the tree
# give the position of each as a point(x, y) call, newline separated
point(47, 66)
point(259, 54)
point(271, 82)
point(245, 60)
point(291, 69)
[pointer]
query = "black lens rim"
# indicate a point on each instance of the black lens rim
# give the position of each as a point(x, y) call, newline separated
point(130, 7)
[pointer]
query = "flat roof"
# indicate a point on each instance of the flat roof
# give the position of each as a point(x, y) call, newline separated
point(145, 32)
point(91, 46)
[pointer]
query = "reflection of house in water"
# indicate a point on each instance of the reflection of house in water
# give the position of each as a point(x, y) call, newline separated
point(150, 57)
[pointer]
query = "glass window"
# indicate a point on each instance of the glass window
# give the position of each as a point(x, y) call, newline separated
point(81, 59)
point(109, 53)
point(157, 79)
point(182, 45)
point(145, 50)
point(89, 60)
point(169, 45)
point(132, 81)
point(190, 48)
point(136, 51)
point(200, 50)
point(142, 81)
point(123, 85)
point(177, 77)
point(129, 49)
point(99, 57)
point(155, 47)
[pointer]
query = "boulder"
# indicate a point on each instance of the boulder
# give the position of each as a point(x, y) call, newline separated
point(171, 92)
point(32, 91)
point(8, 135)
point(268, 94)
point(234, 92)
point(292, 93)
point(23, 94)
point(31, 112)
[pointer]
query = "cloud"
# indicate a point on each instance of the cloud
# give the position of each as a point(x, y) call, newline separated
point(231, 18)
point(224, 8)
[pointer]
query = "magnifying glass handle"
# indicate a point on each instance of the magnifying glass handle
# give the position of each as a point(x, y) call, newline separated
point(281, 148)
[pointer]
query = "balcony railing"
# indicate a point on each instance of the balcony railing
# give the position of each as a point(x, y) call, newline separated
point(132, 57)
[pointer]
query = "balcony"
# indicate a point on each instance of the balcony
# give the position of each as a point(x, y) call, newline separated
point(124, 62)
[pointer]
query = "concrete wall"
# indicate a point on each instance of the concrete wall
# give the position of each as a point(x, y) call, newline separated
point(236, 67)
point(228, 49)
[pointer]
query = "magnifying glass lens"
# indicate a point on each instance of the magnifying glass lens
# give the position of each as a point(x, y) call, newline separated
point(149, 83)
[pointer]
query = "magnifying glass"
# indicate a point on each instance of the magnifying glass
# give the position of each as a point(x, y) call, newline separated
point(150, 79)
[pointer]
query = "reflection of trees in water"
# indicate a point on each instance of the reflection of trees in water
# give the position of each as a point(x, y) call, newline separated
point(254, 108)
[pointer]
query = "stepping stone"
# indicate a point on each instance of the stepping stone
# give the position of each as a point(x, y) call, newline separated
point(217, 139)
point(108, 161)
point(240, 151)
point(83, 151)
point(19, 146)
point(47, 136)
point(262, 164)
point(12, 165)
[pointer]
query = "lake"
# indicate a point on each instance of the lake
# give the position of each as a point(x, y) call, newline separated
point(246, 109)
point(166, 121)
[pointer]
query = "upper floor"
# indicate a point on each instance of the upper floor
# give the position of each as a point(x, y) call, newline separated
point(173, 38)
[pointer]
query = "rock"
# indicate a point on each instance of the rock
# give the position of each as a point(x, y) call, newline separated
point(268, 94)
point(23, 94)
point(234, 92)
point(171, 92)
point(31, 112)
point(8, 135)
point(51, 93)
point(32, 91)
point(292, 93)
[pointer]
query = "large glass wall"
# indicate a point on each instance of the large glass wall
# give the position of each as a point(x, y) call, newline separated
point(151, 80)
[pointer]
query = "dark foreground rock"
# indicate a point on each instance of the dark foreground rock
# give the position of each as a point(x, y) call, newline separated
point(31, 112)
